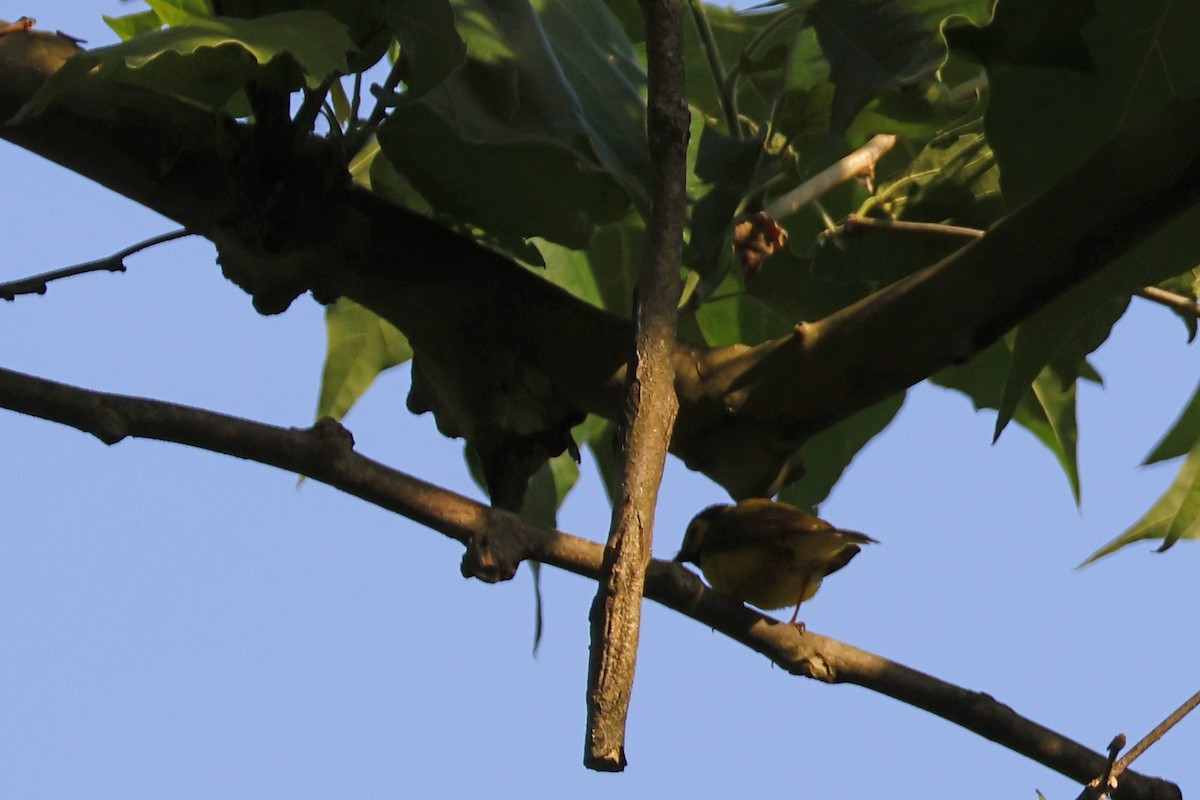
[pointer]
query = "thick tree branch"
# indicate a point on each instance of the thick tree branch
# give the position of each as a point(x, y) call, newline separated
point(650, 405)
point(743, 411)
point(325, 453)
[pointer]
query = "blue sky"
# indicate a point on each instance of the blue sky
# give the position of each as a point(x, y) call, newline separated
point(182, 624)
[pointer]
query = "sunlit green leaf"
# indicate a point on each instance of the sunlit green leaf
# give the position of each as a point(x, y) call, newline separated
point(1186, 285)
point(1175, 516)
point(605, 274)
point(758, 70)
point(1183, 436)
point(179, 12)
point(207, 60)
point(1080, 320)
point(131, 25)
point(1047, 411)
point(826, 455)
point(877, 45)
point(1053, 421)
point(540, 133)
point(361, 345)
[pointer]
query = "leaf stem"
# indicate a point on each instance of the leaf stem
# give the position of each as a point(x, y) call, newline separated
point(728, 89)
point(712, 55)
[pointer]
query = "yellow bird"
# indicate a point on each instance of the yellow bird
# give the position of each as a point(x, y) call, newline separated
point(765, 553)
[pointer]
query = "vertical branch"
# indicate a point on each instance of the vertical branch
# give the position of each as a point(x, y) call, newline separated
point(650, 402)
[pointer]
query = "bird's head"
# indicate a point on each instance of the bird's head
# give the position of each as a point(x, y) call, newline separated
point(697, 530)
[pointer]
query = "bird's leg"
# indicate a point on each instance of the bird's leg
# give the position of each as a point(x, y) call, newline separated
point(799, 625)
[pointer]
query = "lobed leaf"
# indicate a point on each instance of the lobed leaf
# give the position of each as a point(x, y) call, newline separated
point(827, 455)
point(361, 345)
point(206, 61)
point(1175, 516)
point(1045, 121)
point(1080, 320)
point(539, 133)
point(876, 45)
point(1183, 436)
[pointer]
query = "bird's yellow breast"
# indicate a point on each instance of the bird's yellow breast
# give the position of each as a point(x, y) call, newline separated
point(762, 576)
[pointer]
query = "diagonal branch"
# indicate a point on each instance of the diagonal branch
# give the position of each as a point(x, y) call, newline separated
point(36, 284)
point(325, 453)
point(650, 405)
point(744, 411)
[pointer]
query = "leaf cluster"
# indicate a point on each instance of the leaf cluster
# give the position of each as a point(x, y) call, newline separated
point(520, 124)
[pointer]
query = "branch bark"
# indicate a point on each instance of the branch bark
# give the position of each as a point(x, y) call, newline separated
point(744, 411)
point(650, 407)
point(325, 453)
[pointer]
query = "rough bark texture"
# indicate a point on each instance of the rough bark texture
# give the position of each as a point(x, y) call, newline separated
point(326, 453)
point(744, 411)
point(650, 407)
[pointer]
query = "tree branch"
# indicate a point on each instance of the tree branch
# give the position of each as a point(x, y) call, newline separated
point(1183, 306)
point(861, 162)
point(36, 284)
point(650, 405)
point(325, 453)
point(743, 411)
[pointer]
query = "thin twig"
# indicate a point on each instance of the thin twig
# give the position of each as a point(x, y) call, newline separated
point(968, 91)
point(861, 162)
point(314, 100)
point(384, 95)
point(325, 453)
point(23, 24)
point(712, 54)
point(856, 223)
point(728, 89)
point(1184, 306)
point(36, 284)
point(1156, 734)
point(1103, 785)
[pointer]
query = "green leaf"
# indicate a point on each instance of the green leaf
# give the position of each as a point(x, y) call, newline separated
point(432, 48)
point(1183, 436)
point(877, 45)
point(1044, 122)
point(206, 61)
point(826, 455)
point(1032, 33)
point(952, 180)
point(341, 103)
point(605, 274)
point(540, 133)
point(1186, 285)
point(760, 69)
point(361, 345)
point(548, 488)
point(1175, 516)
point(1048, 411)
point(1080, 320)
point(1053, 421)
point(597, 434)
point(131, 25)
point(723, 171)
point(180, 12)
